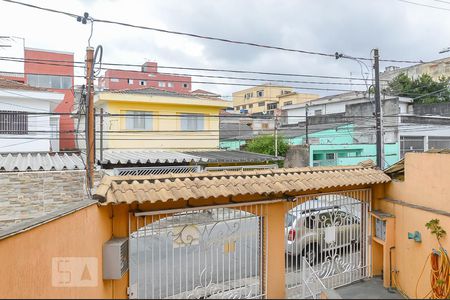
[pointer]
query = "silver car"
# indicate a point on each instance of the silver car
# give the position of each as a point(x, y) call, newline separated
point(319, 226)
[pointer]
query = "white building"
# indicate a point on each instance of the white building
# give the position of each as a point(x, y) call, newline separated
point(336, 104)
point(25, 122)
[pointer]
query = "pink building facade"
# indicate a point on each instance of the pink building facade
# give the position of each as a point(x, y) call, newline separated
point(149, 76)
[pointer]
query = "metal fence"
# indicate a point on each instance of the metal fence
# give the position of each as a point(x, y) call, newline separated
point(331, 233)
point(199, 253)
point(156, 170)
point(242, 168)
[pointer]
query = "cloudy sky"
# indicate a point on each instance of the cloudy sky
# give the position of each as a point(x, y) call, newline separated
point(353, 27)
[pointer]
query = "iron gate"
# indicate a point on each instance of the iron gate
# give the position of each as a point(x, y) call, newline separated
point(327, 240)
point(202, 253)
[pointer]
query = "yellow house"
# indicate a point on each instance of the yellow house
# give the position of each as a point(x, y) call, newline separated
point(267, 97)
point(155, 119)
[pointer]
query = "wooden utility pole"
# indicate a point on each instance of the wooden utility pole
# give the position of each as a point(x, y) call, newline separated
point(306, 124)
point(378, 116)
point(101, 134)
point(90, 132)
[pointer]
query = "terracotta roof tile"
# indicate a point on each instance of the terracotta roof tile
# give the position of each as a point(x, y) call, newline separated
point(174, 187)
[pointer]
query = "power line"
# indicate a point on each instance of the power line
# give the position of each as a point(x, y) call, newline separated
point(424, 5)
point(330, 55)
point(200, 82)
point(64, 63)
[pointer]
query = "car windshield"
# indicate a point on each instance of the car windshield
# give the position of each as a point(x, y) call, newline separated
point(289, 220)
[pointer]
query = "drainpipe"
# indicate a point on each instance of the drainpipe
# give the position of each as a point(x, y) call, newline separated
point(390, 289)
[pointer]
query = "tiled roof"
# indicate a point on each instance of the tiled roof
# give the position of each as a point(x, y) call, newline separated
point(13, 162)
point(264, 183)
point(147, 157)
point(14, 85)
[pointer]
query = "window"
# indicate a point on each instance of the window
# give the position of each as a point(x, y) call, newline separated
point(284, 92)
point(139, 120)
point(411, 144)
point(114, 80)
point(330, 156)
point(250, 106)
point(130, 81)
point(248, 95)
point(261, 103)
point(142, 82)
point(192, 122)
point(236, 108)
point(272, 106)
point(244, 107)
point(170, 84)
point(260, 93)
point(161, 84)
point(264, 125)
point(317, 112)
point(185, 85)
point(50, 81)
point(288, 103)
point(13, 122)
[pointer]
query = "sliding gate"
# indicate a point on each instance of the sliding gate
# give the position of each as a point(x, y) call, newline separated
point(212, 252)
point(327, 242)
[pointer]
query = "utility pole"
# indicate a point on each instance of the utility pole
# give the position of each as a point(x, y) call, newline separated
point(306, 124)
point(90, 148)
point(276, 134)
point(378, 115)
point(101, 134)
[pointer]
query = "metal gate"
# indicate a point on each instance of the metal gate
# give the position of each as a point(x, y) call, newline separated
point(209, 252)
point(327, 241)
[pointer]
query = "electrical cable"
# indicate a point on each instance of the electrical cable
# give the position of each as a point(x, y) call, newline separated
point(330, 55)
point(424, 5)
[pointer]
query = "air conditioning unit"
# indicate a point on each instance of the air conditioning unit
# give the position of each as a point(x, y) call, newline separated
point(115, 258)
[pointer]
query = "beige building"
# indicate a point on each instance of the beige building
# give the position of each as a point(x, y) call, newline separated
point(267, 97)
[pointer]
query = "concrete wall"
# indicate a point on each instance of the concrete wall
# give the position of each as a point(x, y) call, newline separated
point(27, 195)
point(440, 109)
point(426, 185)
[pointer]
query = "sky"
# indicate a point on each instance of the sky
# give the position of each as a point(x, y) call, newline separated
point(399, 30)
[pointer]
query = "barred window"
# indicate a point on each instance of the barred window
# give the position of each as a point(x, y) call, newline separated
point(13, 122)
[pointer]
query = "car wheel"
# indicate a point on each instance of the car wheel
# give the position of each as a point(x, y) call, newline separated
point(311, 254)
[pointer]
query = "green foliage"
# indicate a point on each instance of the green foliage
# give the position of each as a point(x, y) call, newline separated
point(265, 144)
point(423, 89)
point(435, 228)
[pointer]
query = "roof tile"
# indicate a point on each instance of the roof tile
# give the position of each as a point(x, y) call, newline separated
point(174, 187)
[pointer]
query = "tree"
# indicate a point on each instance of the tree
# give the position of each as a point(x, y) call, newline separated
point(422, 89)
point(265, 144)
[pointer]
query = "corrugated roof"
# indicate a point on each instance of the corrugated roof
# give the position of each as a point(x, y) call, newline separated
point(147, 157)
point(13, 162)
point(210, 185)
point(231, 156)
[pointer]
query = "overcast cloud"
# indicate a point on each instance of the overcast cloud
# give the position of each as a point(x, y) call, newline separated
point(353, 27)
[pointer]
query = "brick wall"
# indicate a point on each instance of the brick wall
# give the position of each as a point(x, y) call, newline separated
point(27, 195)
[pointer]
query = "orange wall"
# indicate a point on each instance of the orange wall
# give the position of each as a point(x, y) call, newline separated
point(26, 258)
point(427, 183)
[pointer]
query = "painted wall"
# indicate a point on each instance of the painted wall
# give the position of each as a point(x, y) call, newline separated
point(27, 101)
point(26, 258)
point(66, 125)
point(252, 103)
point(427, 184)
point(166, 132)
point(123, 79)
